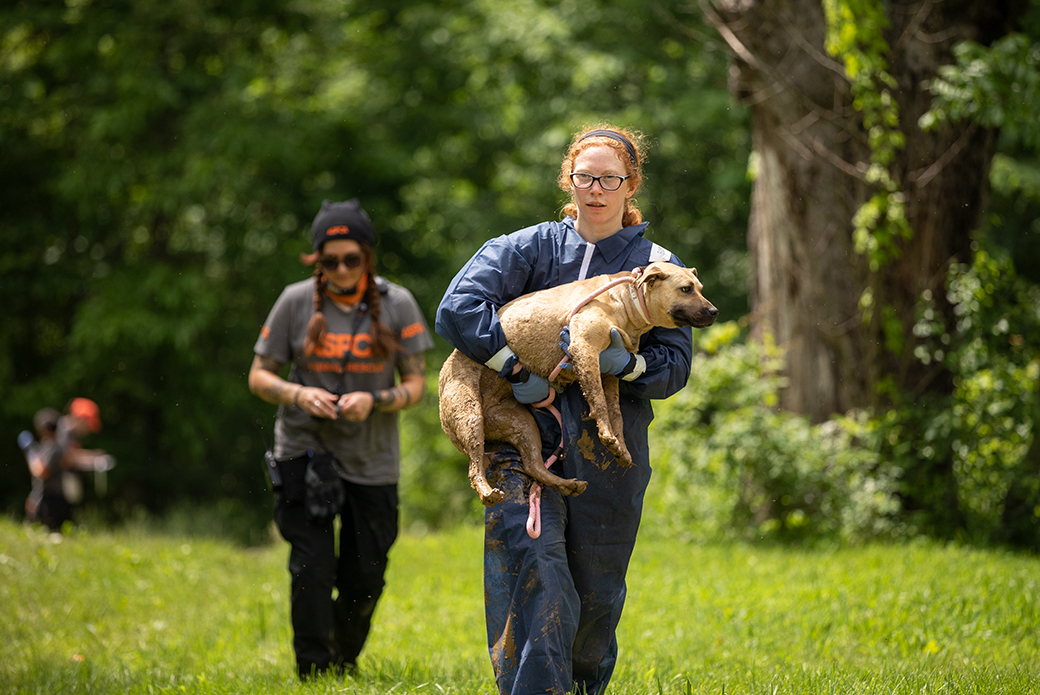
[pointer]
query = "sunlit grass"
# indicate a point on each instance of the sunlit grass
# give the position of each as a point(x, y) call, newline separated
point(128, 612)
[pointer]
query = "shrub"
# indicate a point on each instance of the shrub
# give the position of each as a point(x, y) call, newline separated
point(986, 428)
point(730, 464)
point(961, 465)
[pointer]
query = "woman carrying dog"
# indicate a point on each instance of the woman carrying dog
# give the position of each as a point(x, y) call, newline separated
point(345, 332)
point(552, 603)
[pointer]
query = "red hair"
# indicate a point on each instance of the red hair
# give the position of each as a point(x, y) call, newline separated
point(634, 169)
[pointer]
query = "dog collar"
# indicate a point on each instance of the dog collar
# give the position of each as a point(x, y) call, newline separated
point(638, 299)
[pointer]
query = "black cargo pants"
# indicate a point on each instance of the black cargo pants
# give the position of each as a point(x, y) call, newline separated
point(327, 633)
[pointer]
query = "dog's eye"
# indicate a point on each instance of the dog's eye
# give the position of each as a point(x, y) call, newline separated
point(686, 289)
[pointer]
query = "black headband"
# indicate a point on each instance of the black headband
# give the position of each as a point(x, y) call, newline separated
point(613, 135)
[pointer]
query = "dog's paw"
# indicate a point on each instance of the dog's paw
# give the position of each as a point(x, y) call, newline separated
point(493, 497)
point(573, 486)
point(620, 451)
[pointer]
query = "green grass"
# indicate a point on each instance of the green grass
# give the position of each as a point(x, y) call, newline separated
point(136, 612)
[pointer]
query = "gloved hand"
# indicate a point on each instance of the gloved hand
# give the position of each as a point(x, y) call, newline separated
point(531, 389)
point(527, 386)
point(613, 360)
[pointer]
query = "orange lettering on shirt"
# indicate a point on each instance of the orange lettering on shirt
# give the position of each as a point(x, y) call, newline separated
point(366, 367)
point(362, 346)
point(413, 330)
point(316, 366)
point(334, 346)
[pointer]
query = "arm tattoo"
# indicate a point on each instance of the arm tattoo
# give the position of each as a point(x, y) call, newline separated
point(412, 364)
point(399, 397)
point(391, 399)
point(279, 391)
point(267, 363)
point(399, 394)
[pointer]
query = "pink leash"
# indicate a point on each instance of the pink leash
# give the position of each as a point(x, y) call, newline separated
point(534, 513)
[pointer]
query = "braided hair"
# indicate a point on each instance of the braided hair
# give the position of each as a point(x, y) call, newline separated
point(384, 342)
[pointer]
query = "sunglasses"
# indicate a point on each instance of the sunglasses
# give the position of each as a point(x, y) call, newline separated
point(351, 260)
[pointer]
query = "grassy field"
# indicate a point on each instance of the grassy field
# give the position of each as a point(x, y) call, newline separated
point(127, 612)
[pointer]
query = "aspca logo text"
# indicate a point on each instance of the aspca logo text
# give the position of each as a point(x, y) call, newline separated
point(336, 346)
point(412, 330)
point(337, 230)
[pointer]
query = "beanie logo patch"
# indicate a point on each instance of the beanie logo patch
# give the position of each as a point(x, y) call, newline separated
point(337, 230)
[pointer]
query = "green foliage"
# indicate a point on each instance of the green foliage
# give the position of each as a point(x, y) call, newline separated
point(965, 465)
point(145, 200)
point(995, 87)
point(733, 465)
point(134, 612)
point(988, 425)
point(998, 87)
point(435, 490)
point(855, 31)
point(162, 161)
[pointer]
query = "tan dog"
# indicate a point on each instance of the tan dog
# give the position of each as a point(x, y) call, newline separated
point(476, 405)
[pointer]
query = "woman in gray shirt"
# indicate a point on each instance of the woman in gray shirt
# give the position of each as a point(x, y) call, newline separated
point(347, 334)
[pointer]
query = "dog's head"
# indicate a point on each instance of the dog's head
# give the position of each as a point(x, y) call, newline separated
point(674, 296)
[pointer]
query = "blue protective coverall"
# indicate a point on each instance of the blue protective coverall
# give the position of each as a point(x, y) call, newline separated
point(553, 603)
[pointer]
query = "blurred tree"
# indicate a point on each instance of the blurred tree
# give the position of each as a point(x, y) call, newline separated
point(163, 159)
point(473, 103)
point(148, 200)
point(856, 210)
point(835, 114)
point(998, 87)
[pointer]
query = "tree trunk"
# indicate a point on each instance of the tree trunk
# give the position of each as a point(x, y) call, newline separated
point(812, 159)
point(812, 152)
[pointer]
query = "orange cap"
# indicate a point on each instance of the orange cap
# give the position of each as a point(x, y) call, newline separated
point(86, 410)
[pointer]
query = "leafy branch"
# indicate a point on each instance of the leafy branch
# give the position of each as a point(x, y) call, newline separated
point(855, 36)
point(997, 87)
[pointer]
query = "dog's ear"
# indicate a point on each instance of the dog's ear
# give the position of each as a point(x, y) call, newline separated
point(652, 274)
point(694, 271)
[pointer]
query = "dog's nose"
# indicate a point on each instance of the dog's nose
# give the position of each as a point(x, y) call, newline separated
point(713, 312)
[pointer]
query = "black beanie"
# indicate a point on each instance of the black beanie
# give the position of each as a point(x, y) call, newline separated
point(346, 220)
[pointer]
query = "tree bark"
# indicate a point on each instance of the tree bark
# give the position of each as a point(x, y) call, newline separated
point(812, 153)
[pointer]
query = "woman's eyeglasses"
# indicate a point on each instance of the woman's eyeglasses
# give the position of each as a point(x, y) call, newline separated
point(351, 260)
point(609, 182)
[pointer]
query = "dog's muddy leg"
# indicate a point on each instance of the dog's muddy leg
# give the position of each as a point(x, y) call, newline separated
point(531, 455)
point(478, 465)
point(462, 419)
point(511, 422)
point(610, 391)
point(586, 366)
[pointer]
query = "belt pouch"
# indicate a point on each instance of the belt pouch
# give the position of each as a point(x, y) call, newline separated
point(324, 488)
point(288, 477)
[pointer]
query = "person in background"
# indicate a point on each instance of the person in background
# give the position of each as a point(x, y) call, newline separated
point(552, 604)
point(345, 332)
point(55, 458)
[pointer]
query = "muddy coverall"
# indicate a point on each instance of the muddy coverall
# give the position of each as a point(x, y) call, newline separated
point(552, 604)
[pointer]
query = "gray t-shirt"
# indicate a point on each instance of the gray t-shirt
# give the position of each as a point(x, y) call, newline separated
point(368, 452)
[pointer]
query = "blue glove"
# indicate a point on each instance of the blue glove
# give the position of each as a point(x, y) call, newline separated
point(615, 359)
point(527, 386)
point(532, 390)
